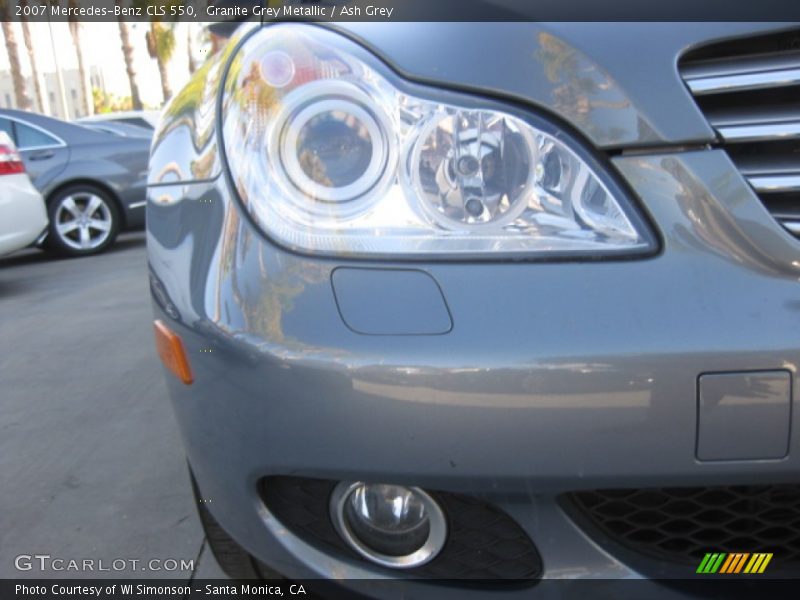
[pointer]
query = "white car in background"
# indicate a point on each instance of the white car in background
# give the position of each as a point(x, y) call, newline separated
point(23, 216)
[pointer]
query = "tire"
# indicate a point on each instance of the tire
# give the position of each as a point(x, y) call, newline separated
point(234, 560)
point(84, 220)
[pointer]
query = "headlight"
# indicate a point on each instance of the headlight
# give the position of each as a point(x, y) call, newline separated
point(332, 153)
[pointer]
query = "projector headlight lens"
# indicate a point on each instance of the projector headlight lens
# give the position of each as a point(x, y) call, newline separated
point(390, 525)
point(332, 154)
point(334, 147)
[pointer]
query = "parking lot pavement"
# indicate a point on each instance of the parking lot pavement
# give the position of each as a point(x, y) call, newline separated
point(91, 464)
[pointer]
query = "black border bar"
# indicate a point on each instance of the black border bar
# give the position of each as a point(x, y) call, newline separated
point(400, 10)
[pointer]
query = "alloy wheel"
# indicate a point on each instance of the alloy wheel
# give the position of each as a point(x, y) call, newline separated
point(83, 221)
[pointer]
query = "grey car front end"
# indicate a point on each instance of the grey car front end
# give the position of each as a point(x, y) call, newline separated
point(519, 309)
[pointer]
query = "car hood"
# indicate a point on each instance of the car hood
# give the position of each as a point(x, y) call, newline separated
point(617, 83)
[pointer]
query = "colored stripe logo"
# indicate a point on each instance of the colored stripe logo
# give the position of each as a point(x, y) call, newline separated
point(734, 563)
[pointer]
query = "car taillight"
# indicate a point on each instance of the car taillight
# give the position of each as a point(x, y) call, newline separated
point(10, 162)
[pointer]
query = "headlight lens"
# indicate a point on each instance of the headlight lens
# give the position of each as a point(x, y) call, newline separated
point(332, 154)
point(329, 148)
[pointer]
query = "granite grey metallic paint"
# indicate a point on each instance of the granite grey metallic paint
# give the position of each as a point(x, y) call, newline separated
point(555, 376)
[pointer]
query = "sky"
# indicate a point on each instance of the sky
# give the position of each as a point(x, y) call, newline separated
point(102, 48)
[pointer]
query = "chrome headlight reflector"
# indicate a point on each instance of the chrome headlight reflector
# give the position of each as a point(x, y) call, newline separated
point(331, 153)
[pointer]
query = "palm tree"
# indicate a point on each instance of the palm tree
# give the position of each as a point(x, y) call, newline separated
point(37, 84)
point(161, 45)
point(17, 79)
point(190, 49)
point(127, 52)
point(75, 30)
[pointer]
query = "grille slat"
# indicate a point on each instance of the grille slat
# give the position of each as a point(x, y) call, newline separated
point(743, 73)
point(756, 165)
point(760, 132)
point(783, 207)
point(792, 225)
point(723, 84)
point(749, 90)
point(726, 115)
point(775, 183)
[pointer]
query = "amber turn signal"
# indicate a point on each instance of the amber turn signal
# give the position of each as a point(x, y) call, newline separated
point(173, 354)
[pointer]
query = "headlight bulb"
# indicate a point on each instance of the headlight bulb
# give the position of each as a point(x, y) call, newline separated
point(472, 168)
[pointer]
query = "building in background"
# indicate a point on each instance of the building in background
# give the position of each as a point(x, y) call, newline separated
point(72, 92)
point(105, 64)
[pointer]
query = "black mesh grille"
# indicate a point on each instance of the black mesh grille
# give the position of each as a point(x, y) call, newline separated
point(680, 525)
point(483, 543)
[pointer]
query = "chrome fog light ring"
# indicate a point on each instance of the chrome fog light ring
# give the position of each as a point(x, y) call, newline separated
point(427, 551)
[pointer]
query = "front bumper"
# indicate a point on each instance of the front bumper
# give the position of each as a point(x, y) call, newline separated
point(555, 377)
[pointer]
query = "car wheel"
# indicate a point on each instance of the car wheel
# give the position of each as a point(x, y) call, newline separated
point(234, 560)
point(83, 220)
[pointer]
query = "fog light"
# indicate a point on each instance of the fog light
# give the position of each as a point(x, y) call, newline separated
point(390, 525)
